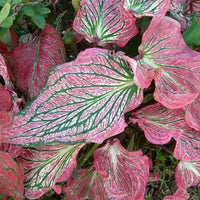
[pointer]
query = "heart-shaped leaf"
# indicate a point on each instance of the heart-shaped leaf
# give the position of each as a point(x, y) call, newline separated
point(159, 123)
point(165, 57)
point(103, 22)
point(33, 60)
point(45, 166)
point(88, 185)
point(187, 174)
point(142, 8)
point(11, 177)
point(125, 173)
point(83, 101)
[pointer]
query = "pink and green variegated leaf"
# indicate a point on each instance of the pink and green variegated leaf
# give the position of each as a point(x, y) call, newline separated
point(13, 150)
point(187, 146)
point(125, 173)
point(33, 60)
point(103, 22)
point(187, 174)
point(11, 177)
point(180, 194)
point(83, 101)
point(192, 115)
point(154, 8)
point(165, 57)
point(47, 165)
point(88, 185)
point(4, 70)
point(192, 6)
point(159, 123)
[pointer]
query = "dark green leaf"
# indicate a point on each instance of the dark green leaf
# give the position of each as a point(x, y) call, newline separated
point(39, 21)
point(42, 11)
point(28, 10)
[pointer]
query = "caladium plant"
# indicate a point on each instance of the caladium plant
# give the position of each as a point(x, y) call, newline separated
point(85, 119)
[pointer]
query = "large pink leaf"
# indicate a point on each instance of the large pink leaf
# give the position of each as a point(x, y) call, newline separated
point(103, 22)
point(187, 146)
point(33, 60)
point(180, 194)
point(4, 70)
point(165, 57)
point(45, 166)
point(84, 100)
point(11, 177)
point(187, 174)
point(125, 173)
point(13, 150)
point(88, 185)
point(142, 8)
point(192, 114)
point(159, 123)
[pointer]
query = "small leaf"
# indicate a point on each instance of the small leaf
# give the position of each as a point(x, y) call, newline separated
point(11, 177)
point(155, 8)
point(29, 11)
point(187, 174)
point(88, 185)
point(103, 22)
point(125, 173)
point(7, 23)
point(15, 2)
point(33, 60)
point(42, 11)
point(39, 21)
point(4, 12)
point(159, 123)
point(190, 35)
point(83, 101)
point(47, 165)
point(180, 194)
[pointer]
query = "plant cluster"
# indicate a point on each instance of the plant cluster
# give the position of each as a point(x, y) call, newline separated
point(92, 92)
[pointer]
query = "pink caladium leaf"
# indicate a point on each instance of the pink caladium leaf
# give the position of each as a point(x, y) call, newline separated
point(4, 71)
point(142, 8)
point(187, 174)
point(192, 115)
point(45, 166)
point(180, 194)
point(11, 177)
point(103, 22)
point(187, 146)
point(33, 60)
point(88, 185)
point(125, 173)
point(13, 150)
point(174, 67)
point(159, 123)
point(83, 101)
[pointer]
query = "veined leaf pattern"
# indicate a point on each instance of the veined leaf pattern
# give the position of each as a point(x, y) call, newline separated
point(11, 177)
point(165, 57)
point(33, 60)
point(45, 166)
point(83, 101)
point(187, 174)
point(103, 22)
point(159, 123)
point(125, 173)
point(4, 70)
point(88, 185)
point(179, 194)
point(141, 8)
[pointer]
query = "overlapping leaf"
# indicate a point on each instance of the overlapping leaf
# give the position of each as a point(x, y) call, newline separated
point(83, 100)
point(159, 123)
point(33, 60)
point(13, 150)
point(102, 22)
point(125, 173)
point(88, 185)
point(187, 146)
point(180, 194)
point(187, 174)
point(45, 166)
point(174, 67)
point(141, 8)
point(11, 177)
point(3, 70)
point(192, 115)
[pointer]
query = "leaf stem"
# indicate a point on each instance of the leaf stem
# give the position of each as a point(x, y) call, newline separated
point(87, 156)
